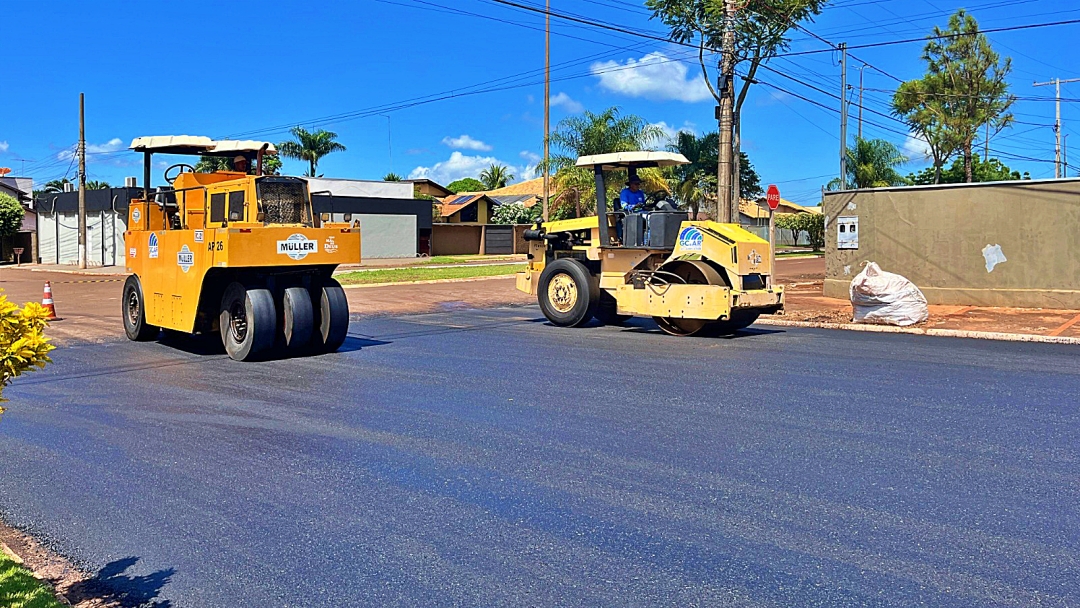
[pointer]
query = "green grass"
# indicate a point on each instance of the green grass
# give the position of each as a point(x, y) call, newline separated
point(19, 588)
point(788, 254)
point(403, 275)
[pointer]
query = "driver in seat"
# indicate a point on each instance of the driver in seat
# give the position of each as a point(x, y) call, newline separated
point(240, 164)
point(632, 197)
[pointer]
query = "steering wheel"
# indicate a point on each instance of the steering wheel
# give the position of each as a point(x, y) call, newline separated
point(181, 169)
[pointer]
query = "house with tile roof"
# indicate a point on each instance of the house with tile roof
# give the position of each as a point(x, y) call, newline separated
point(466, 208)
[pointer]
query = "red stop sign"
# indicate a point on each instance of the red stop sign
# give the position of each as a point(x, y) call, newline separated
point(773, 197)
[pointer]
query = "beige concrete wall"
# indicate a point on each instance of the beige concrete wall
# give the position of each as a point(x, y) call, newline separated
point(935, 236)
point(455, 239)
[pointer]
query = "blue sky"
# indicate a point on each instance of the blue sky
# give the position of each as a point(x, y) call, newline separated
point(357, 68)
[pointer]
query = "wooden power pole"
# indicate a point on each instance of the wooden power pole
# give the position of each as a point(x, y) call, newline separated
point(727, 204)
point(547, 104)
point(82, 182)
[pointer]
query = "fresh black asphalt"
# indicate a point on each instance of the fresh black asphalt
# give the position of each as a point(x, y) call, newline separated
point(487, 458)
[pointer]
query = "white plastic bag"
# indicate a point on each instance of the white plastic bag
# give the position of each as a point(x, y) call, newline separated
point(886, 298)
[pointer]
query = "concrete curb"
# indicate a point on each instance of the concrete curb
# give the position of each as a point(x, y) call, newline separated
point(432, 281)
point(87, 272)
point(942, 333)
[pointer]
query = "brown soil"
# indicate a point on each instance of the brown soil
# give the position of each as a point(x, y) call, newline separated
point(71, 585)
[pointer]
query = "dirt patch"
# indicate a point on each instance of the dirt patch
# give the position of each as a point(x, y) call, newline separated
point(71, 585)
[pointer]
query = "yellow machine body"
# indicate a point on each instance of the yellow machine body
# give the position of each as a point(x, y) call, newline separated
point(714, 273)
point(214, 229)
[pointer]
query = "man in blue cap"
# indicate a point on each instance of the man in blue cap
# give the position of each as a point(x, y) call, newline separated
point(632, 198)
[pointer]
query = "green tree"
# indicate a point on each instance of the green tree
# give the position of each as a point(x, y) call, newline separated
point(496, 176)
point(11, 217)
point(515, 213)
point(871, 163)
point(466, 184)
point(598, 133)
point(761, 29)
point(964, 90)
point(392, 177)
point(921, 104)
point(992, 170)
point(97, 185)
point(813, 224)
point(310, 146)
point(56, 185)
point(749, 180)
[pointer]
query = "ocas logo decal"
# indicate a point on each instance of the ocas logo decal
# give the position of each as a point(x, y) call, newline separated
point(153, 245)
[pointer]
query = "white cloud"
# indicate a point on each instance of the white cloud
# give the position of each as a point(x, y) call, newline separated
point(4, 146)
point(653, 77)
point(459, 166)
point(916, 148)
point(530, 157)
point(113, 145)
point(562, 100)
point(466, 143)
point(670, 132)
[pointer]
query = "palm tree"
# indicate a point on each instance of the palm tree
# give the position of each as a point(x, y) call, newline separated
point(871, 163)
point(587, 134)
point(96, 185)
point(496, 176)
point(697, 179)
point(56, 185)
point(310, 146)
point(392, 177)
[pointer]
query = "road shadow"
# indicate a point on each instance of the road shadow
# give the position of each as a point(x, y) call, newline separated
point(210, 344)
point(641, 325)
point(112, 586)
point(354, 343)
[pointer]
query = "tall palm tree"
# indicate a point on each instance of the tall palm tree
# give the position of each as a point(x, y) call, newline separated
point(871, 163)
point(496, 176)
point(602, 133)
point(310, 146)
point(97, 185)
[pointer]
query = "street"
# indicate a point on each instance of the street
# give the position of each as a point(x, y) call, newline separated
point(484, 457)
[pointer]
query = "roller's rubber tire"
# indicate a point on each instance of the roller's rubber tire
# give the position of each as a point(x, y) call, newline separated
point(133, 311)
point(607, 310)
point(248, 320)
point(332, 317)
point(298, 318)
point(740, 319)
point(567, 294)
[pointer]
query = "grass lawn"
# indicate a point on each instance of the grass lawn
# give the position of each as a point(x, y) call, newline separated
point(788, 254)
point(19, 589)
point(402, 275)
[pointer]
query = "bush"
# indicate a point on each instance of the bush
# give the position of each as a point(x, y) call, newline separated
point(515, 213)
point(11, 215)
point(23, 345)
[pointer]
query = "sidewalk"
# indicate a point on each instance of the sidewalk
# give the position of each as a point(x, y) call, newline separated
point(805, 303)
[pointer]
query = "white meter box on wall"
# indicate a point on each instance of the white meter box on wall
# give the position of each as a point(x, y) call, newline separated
point(847, 235)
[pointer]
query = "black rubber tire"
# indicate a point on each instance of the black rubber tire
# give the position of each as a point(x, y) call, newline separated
point(332, 317)
point(298, 318)
point(740, 319)
point(607, 310)
point(133, 311)
point(255, 309)
point(579, 298)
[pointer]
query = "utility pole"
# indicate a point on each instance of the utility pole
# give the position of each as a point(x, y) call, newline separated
point(82, 183)
point(727, 205)
point(986, 144)
point(1065, 155)
point(1057, 121)
point(861, 68)
point(547, 104)
point(843, 116)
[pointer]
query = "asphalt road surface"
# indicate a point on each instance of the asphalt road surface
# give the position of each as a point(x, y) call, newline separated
point(487, 458)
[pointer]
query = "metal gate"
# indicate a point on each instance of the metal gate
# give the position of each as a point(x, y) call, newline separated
point(498, 240)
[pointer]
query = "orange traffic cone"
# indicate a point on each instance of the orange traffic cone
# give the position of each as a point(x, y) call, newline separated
point(47, 303)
